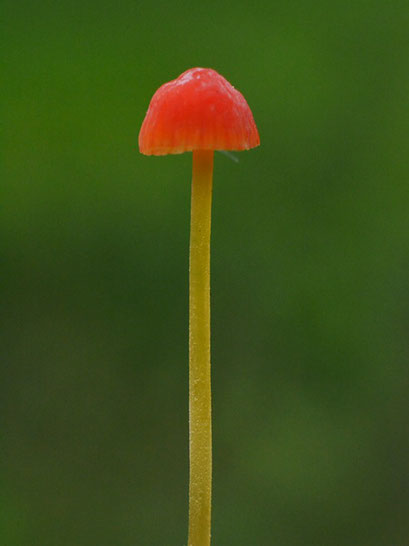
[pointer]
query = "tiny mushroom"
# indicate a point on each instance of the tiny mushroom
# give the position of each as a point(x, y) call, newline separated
point(201, 112)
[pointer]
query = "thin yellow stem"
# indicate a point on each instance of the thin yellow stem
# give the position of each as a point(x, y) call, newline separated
point(200, 420)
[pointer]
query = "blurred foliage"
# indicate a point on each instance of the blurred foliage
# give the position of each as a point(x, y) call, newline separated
point(310, 283)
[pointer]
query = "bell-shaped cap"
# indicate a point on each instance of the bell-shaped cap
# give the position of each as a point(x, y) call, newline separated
point(200, 110)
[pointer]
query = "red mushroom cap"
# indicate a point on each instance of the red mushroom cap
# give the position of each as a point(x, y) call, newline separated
point(200, 110)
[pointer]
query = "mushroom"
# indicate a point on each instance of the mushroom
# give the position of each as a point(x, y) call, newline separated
point(200, 111)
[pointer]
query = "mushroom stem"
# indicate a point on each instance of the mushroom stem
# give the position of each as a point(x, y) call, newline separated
point(200, 425)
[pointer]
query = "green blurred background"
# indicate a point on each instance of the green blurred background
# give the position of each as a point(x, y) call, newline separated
point(310, 276)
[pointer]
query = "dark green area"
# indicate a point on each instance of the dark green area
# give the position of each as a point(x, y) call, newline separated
point(310, 276)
